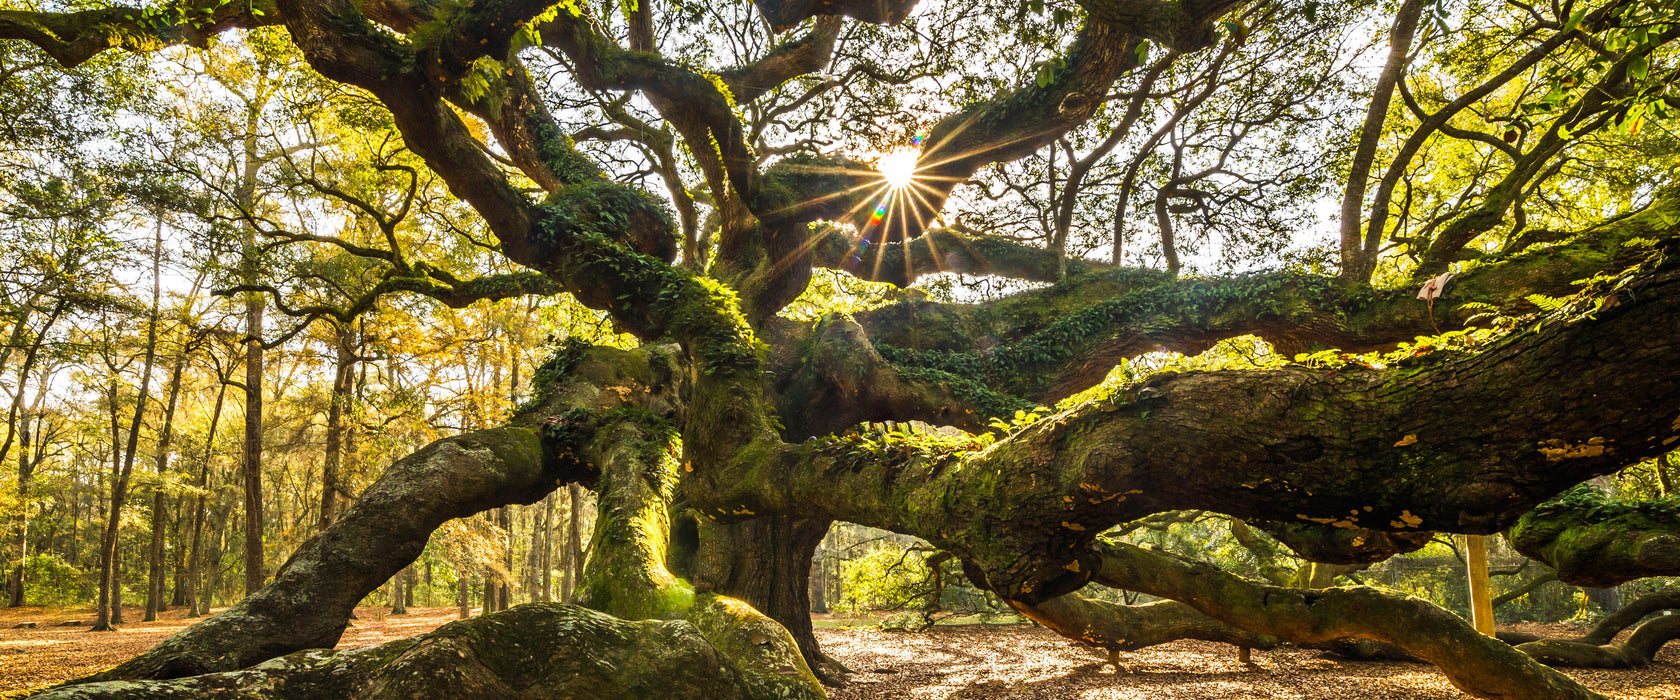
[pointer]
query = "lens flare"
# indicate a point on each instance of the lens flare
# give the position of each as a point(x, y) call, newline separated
point(898, 168)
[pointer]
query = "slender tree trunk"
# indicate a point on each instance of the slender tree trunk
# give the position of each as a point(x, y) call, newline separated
point(1358, 260)
point(19, 426)
point(119, 485)
point(398, 606)
point(461, 595)
point(255, 305)
point(102, 607)
point(160, 500)
point(75, 549)
point(116, 591)
point(254, 574)
point(194, 581)
point(178, 597)
point(1481, 591)
point(545, 537)
point(574, 542)
point(504, 592)
point(343, 376)
point(14, 583)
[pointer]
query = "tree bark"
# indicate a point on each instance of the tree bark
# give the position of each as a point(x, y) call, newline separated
point(195, 582)
point(766, 562)
point(19, 425)
point(574, 543)
point(252, 470)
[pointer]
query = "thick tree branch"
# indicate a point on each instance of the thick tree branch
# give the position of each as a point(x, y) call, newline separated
point(1594, 540)
point(789, 60)
point(310, 599)
point(1046, 344)
point(901, 262)
point(1477, 664)
point(74, 37)
point(787, 14)
point(1459, 443)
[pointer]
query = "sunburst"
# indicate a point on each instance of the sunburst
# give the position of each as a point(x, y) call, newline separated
point(898, 167)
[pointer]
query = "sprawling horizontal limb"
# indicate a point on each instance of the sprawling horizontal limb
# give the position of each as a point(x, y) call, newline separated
point(901, 263)
point(1450, 442)
point(74, 37)
point(1048, 343)
point(1477, 664)
point(312, 595)
point(1116, 627)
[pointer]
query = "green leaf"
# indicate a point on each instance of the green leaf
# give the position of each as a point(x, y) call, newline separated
point(1575, 19)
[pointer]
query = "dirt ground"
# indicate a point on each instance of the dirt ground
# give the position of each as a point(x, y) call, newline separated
point(50, 653)
point(972, 662)
point(964, 662)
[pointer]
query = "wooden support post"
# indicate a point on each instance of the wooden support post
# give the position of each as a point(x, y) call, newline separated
point(1481, 592)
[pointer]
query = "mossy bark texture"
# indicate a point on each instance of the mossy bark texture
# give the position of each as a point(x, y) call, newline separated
point(534, 651)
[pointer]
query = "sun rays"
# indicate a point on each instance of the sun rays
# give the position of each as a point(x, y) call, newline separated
point(898, 168)
point(890, 203)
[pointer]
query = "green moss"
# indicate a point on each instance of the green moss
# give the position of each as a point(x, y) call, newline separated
point(605, 207)
point(761, 651)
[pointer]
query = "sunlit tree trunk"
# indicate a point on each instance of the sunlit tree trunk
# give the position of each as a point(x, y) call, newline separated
point(19, 425)
point(574, 543)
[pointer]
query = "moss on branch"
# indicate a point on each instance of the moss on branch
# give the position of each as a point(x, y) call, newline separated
point(532, 650)
point(1594, 540)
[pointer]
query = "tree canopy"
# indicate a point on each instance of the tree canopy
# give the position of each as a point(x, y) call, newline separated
point(912, 265)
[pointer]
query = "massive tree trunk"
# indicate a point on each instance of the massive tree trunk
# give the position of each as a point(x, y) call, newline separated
point(766, 563)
